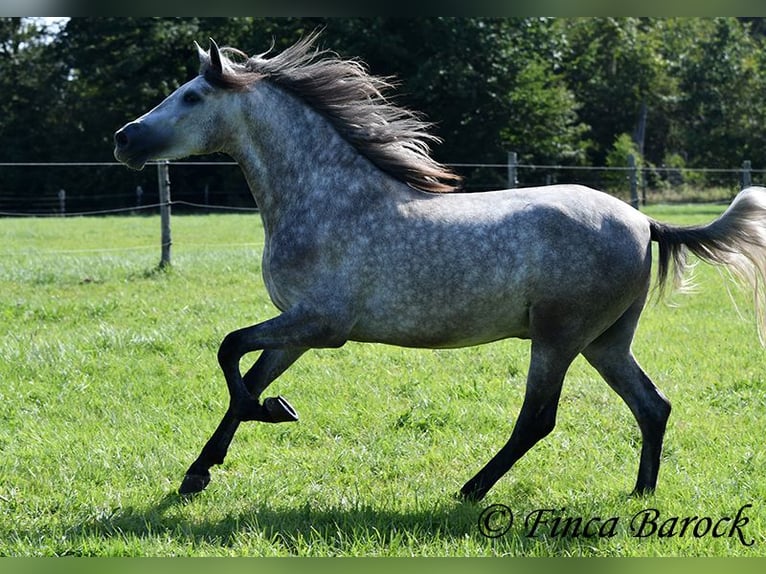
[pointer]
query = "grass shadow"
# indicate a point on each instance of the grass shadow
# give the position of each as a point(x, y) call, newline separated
point(448, 527)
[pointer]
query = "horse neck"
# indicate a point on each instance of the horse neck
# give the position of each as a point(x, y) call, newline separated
point(296, 163)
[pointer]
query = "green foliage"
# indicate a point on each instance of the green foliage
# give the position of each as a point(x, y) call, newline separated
point(110, 387)
point(32, 87)
point(675, 177)
point(556, 91)
point(544, 126)
point(618, 159)
point(612, 68)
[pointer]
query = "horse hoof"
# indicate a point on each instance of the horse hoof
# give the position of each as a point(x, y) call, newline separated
point(471, 493)
point(194, 483)
point(279, 410)
point(642, 492)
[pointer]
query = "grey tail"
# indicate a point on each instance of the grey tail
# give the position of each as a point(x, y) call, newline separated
point(736, 240)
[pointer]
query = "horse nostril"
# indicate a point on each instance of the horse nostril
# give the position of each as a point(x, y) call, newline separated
point(121, 139)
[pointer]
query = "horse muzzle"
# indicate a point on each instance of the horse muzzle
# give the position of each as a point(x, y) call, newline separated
point(134, 145)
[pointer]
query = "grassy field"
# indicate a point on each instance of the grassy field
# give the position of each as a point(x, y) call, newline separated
point(109, 387)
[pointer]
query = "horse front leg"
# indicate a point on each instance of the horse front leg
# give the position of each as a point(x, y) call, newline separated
point(266, 369)
point(536, 419)
point(283, 340)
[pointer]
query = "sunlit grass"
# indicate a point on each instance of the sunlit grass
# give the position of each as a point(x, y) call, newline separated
point(109, 387)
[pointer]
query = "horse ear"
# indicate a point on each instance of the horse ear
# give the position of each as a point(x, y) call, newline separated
point(215, 57)
point(203, 58)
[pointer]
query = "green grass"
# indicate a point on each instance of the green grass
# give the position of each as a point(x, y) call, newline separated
point(109, 387)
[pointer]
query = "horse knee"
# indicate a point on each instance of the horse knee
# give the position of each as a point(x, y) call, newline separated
point(229, 349)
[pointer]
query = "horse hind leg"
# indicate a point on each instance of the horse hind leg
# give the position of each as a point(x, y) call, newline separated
point(536, 420)
point(611, 356)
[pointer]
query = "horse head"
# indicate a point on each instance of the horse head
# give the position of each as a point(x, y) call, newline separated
point(185, 123)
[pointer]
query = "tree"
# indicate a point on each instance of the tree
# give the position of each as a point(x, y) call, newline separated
point(119, 67)
point(476, 79)
point(544, 127)
point(722, 86)
point(33, 87)
point(553, 90)
point(613, 67)
point(489, 85)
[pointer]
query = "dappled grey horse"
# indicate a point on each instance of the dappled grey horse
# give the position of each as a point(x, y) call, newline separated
point(365, 242)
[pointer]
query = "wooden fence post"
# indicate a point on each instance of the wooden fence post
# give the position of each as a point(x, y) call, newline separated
point(747, 179)
point(513, 176)
point(633, 177)
point(62, 202)
point(163, 175)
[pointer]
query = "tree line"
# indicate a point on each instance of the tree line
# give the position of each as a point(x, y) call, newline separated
point(677, 92)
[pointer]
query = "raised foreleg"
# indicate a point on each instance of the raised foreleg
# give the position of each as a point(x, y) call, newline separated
point(283, 340)
point(267, 368)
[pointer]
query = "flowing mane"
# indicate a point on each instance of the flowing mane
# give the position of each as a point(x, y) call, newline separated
point(393, 138)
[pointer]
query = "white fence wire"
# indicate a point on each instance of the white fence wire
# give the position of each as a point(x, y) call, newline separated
point(33, 188)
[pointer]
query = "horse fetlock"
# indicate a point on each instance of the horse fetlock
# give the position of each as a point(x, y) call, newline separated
point(247, 409)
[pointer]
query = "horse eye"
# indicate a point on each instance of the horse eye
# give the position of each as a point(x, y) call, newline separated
point(191, 97)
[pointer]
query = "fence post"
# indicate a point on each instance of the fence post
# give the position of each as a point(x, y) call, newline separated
point(62, 202)
point(747, 180)
point(513, 161)
point(633, 178)
point(163, 175)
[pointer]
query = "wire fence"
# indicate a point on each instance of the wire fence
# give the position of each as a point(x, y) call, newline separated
point(108, 188)
point(36, 190)
point(55, 189)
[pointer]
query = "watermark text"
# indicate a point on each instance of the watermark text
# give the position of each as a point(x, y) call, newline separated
point(497, 520)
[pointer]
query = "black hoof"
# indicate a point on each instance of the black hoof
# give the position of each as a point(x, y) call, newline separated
point(470, 497)
point(642, 492)
point(472, 493)
point(278, 410)
point(194, 483)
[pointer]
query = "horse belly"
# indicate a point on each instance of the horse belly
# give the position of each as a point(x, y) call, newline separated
point(448, 312)
point(451, 331)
